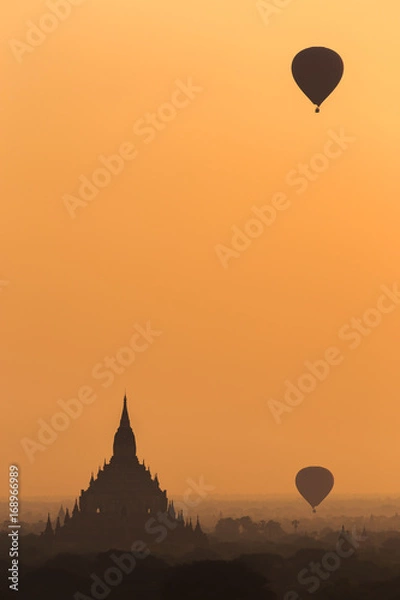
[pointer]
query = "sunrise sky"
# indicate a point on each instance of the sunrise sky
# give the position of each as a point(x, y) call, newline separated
point(75, 284)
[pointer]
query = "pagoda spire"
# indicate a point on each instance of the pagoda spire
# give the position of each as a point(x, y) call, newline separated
point(171, 510)
point(58, 525)
point(49, 529)
point(124, 416)
point(198, 527)
point(61, 513)
point(75, 510)
point(124, 440)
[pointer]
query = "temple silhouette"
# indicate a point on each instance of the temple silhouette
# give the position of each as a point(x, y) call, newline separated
point(123, 503)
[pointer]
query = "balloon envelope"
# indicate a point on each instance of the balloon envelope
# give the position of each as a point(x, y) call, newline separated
point(314, 484)
point(317, 71)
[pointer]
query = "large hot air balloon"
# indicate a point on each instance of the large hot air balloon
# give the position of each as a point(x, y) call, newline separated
point(314, 484)
point(317, 71)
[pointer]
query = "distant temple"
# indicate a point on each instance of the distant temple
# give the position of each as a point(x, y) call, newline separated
point(124, 503)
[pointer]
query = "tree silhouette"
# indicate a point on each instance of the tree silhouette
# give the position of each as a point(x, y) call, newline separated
point(273, 529)
point(227, 529)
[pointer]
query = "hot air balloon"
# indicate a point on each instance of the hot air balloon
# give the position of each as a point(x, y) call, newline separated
point(317, 71)
point(314, 484)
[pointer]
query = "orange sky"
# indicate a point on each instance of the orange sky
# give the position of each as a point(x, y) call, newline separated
point(144, 248)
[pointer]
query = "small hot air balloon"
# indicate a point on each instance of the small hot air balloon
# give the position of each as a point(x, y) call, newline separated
point(317, 71)
point(314, 484)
